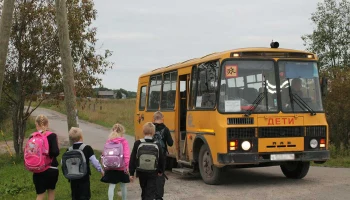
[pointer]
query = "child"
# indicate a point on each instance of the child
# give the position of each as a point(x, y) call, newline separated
point(147, 173)
point(80, 188)
point(120, 174)
point(46, 181)
point(158, 121)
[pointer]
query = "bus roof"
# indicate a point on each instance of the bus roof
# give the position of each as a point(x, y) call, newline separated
point(218, 55)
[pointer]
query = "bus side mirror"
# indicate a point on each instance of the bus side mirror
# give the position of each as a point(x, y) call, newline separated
point(324, 86)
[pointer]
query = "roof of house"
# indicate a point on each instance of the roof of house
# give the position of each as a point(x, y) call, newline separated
point(105, 93)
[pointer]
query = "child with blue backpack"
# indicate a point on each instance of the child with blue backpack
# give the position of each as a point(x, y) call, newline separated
point(115, 160)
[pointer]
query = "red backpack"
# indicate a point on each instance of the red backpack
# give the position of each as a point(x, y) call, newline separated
point(36, 153)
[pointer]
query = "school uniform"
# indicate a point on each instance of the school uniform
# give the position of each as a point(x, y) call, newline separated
point(147, 179)
point(47, 180)
point(168, 141)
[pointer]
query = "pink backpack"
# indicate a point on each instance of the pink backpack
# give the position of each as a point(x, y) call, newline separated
point(36, 153)
point(112, 156)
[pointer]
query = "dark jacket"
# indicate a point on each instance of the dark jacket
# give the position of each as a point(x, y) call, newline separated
point(168, 140)
point(133, 159)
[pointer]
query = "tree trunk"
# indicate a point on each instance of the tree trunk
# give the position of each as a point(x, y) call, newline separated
point(5, 31)
point(67, 63)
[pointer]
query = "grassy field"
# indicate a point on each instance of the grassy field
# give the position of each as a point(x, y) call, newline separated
point(16, 182)
point(103, 112)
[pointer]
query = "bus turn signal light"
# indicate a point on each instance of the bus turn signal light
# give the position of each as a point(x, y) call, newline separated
point(233, 145)
point(322, 143)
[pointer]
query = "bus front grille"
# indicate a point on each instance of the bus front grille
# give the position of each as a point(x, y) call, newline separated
point(316, 131)
point(240, 133)
point(245, 120)
point(277, 132)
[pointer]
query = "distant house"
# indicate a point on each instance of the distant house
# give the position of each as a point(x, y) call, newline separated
point(106, 94)
point(123, 96)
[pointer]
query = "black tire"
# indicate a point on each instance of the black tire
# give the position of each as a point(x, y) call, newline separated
point(295, 170)
point(210, 174)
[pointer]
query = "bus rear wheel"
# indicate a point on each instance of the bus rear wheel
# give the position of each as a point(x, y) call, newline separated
point(210, 174)
point(295, 170)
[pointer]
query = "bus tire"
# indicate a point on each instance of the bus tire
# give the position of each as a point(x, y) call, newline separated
point(210, 174)
point(295, 170)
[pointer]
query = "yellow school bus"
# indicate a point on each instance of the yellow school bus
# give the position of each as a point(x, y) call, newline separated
point(249, 107)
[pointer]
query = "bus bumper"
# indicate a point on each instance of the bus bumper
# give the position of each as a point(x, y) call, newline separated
point(256, 158)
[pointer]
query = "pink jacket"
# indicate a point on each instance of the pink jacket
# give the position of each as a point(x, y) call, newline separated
point(126, 151)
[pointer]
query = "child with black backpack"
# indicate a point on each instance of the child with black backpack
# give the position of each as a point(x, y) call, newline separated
point(146, 159)
point(164, 138)
point(76, 165)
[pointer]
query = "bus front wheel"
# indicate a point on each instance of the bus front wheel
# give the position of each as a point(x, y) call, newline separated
point(295, 170)
point(210, 174)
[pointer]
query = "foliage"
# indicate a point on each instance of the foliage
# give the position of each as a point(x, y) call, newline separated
point(34, 56)
point(330, 39)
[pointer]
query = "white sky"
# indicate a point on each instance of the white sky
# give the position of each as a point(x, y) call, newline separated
point(145, 35)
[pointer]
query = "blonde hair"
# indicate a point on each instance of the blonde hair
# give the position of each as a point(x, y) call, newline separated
point(158, 115)
point(75, 134)
point(118, 130)
point(149, 128)
point(42, 121)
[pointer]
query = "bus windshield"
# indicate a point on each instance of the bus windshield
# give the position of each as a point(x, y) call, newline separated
point(248, 86)
point(300, 87)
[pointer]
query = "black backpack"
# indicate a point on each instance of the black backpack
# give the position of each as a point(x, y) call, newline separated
point(147, 156)
point(74, 163)
point(159, 137)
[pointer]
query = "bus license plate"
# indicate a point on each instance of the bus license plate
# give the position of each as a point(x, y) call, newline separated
point(282, 156)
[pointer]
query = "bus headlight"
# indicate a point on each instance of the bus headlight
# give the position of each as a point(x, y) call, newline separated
point(313, 143)
point(246, 145)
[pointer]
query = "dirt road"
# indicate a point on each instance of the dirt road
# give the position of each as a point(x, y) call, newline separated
point(260, 183)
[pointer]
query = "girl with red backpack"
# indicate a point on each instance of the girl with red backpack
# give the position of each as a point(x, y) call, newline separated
point(40, 155)
point(115, 161)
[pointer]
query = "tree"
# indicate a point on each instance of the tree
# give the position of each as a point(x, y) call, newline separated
point(5, 31)
point(119, 94)
point(67, 63)
point(331, 36)
point(34, 57)
point(330, 40)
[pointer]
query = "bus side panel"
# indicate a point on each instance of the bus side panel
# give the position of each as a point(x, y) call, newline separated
point(139, 117)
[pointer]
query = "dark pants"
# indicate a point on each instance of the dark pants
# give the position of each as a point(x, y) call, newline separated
point(80, 189)
point(160, 182)
point(148, 185)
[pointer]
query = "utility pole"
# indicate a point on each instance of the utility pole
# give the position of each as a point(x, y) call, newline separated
point(5, 32)
point(67, 62)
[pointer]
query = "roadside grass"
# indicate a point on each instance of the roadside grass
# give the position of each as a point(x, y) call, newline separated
point(17, 183)
point(339, 158)
point(7, 129)
point(105, 112)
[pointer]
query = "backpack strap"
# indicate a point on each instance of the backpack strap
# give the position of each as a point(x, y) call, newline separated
point(142, 140)
point(70, 148)
point(82, 146)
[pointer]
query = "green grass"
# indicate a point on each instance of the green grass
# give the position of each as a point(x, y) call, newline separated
point(335, 162)
point(105, 112)
point(16, 182)
point(7, 129)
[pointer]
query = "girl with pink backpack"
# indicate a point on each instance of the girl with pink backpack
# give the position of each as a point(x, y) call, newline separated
point(115, 161)
point(40, 155)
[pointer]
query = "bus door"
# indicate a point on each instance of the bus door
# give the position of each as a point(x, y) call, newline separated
point(140, 109)
point(182, 113)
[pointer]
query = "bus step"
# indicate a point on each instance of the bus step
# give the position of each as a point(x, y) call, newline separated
point(183, 171)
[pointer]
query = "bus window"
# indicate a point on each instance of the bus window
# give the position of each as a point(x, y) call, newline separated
point(169, 91)
point(154, 92)
point(207, 84)
point(142, 98)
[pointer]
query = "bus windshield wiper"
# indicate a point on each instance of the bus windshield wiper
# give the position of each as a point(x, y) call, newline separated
point(302, 103)
point(257, 101)
point(255, 104)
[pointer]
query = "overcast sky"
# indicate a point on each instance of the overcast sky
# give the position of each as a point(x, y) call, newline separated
point(145, 35)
